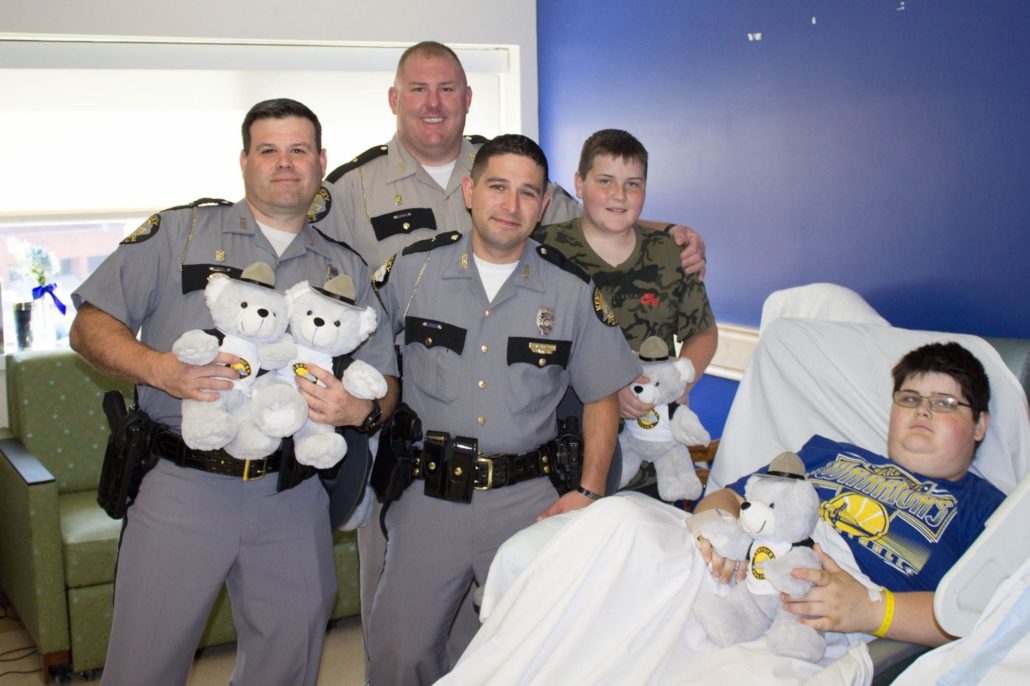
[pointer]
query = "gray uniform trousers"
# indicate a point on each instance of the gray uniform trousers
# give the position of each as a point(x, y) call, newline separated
point(435, 550)
point(189, 532)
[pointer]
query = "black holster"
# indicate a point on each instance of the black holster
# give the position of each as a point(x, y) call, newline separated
point(567, 457)
point(393, 470)
point(128, 456)
point(449, 466)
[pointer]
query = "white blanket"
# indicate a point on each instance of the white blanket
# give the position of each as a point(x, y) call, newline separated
point(609, 599)
point(996, 652)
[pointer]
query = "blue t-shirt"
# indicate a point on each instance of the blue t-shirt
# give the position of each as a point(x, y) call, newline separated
point(905, 529)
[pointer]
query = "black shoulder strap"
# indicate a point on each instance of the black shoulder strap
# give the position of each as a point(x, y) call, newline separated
point(342, 244)
point(558, 259)
point(200, 202)
point(363, 158)
point(431, 243)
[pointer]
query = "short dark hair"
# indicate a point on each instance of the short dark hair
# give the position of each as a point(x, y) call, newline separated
point(509, 144)
point(279, 108)
point(614, 142)
point(952, 359)
point(430, 48)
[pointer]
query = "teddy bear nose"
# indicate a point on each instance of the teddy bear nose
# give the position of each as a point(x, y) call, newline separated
point(262, 312)
point(319, 321)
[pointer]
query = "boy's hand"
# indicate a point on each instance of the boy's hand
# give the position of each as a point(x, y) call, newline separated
point(630, 406)
point(692, 257)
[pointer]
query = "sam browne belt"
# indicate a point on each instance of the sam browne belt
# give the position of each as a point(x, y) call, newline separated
point(169, 445)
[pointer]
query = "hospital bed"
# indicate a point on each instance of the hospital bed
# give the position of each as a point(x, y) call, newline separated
point(833, 378)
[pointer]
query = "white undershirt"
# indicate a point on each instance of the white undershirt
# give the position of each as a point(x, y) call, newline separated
point(280, 240)
point(441, 174)
point(493, 275)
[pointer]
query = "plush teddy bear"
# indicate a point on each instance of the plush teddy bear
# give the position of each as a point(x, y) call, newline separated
point(325, 323)
point(776, 520)
point(661, 436)
point(251, 319)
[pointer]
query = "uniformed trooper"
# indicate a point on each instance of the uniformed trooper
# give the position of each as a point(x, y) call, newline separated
point(495, 328)
point(200, 519)
point(410, 189)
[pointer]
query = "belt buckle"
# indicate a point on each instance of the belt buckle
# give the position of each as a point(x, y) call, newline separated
point(246, 469)
point(485, 459)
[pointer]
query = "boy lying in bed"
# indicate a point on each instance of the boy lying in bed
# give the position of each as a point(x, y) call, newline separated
point(551, 625)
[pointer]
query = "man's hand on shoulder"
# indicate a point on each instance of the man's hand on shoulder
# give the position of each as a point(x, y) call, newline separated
point(692, 257)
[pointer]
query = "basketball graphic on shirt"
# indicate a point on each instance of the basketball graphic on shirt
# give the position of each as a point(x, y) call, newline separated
point(857, 515)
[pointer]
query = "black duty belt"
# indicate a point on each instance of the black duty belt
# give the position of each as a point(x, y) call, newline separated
point(170, 446)
point(453, 468)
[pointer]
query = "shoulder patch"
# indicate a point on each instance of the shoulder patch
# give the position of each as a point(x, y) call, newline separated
point(602, 310)
point(363, 158)
point(146, 230)
point(200, 202)
point(382, 275)
point(320, 205)
point(431, 243)
point(558, 259)
point(476, 139)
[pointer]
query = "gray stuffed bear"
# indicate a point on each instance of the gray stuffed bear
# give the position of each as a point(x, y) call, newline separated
point(663, 435)
point(777, 518)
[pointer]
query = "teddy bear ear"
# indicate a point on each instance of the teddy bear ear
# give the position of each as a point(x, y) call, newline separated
point(685, 368)
point(216, 285)
point(368, 320)
point(294, 292)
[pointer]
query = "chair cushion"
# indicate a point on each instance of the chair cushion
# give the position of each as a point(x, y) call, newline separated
point(89, 540)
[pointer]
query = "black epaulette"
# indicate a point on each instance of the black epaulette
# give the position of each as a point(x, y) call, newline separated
point(342, 244)
point(200, 203)
point(363, 158)
point(476, 139)
point(558, 259)
point(431, 243)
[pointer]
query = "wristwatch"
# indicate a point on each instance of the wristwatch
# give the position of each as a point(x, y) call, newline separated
point(373, 421)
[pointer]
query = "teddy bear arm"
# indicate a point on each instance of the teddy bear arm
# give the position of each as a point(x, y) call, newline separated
point(726, 537)
point(778, 571)
point(196, 347)
point(364, 381)
point(687, 428)
point(277, 354)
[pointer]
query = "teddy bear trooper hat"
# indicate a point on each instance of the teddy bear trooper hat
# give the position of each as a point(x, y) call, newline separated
point(341, 289)
point(787, 465)
point(259, 274)
point(653, 349)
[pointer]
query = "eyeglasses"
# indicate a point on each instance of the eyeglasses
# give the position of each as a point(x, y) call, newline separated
point(938, 402)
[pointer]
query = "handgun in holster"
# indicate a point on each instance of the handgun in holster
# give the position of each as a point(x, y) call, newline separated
point(392, 472)
point(567, 460)
point(127, 458)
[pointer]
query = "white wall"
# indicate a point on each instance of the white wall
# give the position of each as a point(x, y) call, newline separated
point(455, 22)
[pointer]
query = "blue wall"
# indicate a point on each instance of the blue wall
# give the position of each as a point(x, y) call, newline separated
point(886, 150)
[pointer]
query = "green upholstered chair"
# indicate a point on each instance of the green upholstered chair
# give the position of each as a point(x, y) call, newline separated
point(57, 547)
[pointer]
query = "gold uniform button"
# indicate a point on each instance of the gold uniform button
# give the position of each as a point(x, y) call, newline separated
point(481, 420)
point(457, 471)
point(542, 362)
point(482, 384)
point(431, 466)
point(429, 340)
point(406, 225)
point(485, 348)
point(487, 313)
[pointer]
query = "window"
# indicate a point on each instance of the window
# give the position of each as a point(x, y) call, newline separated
point(110, 131)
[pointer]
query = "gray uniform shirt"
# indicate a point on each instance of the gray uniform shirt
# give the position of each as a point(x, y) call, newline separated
point(154, 281)
point(496, 371)
point(385, 201)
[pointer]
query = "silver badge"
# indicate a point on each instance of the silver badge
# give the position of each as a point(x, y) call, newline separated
point(545, 320)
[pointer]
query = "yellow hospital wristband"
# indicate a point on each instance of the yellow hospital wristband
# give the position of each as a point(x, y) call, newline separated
point(888, 614)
